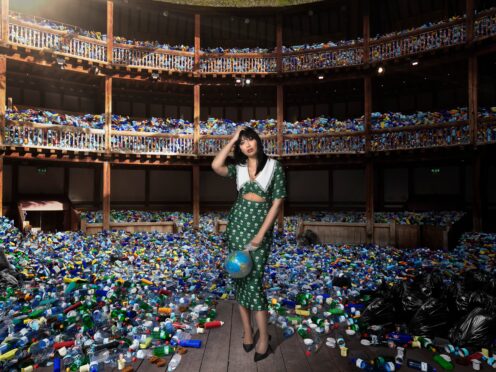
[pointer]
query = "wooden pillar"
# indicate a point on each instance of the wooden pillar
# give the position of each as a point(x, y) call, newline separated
point(3, 95)
point(366, 31)
point(367, 92)
point(369, 199)
point(279, 43)
point(147, 187)
point(469, 11)
point(331, 189)
point(106, 195)
point(97, 177)
point(476, 193)
point(108, 112)
point(110, 30)
point(473, 97)
point(196, 118)
point(196, 196)
point(5, 21)
point(280, 118)
point(196, 66)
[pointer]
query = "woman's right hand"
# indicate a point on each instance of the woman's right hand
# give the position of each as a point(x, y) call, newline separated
point(236, 133)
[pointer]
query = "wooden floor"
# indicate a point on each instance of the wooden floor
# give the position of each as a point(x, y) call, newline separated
point(222, 351)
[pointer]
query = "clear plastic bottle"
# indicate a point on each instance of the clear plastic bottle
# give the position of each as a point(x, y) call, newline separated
point(174, 362)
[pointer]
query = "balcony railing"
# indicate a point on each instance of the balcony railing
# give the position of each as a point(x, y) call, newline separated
point(323, 59)
point(420, 136)
point(318, 144)
point(437, 37)
point(70, 43)
point(237, 63)
point(153, 58)
point(211, 145)
point(45, 136)
point(151, 143)
point(486, 132)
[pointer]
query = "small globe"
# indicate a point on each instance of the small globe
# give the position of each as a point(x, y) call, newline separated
point(238, 264)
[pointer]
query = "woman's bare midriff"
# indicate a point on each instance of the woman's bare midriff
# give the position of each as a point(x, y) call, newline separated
point(253, 197)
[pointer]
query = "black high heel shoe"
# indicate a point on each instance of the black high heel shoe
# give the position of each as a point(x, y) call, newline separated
point(249, 347)
point(258, 357)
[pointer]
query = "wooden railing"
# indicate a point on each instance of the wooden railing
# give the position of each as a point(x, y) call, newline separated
point(420, 136)
point(323, 58)
point(161, 59)
point(485, 25)
point(486, 131)
point(69, 43)
point(151, 143)
point(316, 144)
point(62, 137)
point(211, 145)
point(46, 136)
point(418, 41)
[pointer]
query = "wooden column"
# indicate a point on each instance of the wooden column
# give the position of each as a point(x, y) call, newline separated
point(367, 92)
point(5, 21)
point(147, 187)
point(108, 112)
point(110, 30)
point(196, 196)
point(473, 97)
point(196, 118)
point(476, 193)
point(369, 199)
point(106, 195)
point(3, 95)
point(366, 31)
point(196, 66)
point(279, 43)
point(469, 11)
point(280, 118)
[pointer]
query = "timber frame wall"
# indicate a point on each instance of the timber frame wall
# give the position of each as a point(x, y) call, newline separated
point(368, 159)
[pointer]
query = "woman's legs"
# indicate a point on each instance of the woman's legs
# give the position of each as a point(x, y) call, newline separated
point(246, 320)
point(263, 343)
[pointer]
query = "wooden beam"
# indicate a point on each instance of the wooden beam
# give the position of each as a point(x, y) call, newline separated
point(196, 118)
point(279, 43)
point(5, 21)
point(366, 30)
point(108, 112)
point(476, 193)
point(369, 198)
point(473, 83)
point(367, 92)
point(147, 187)
point(110, 29)
point(280, 118)
point(196, 196)
point(196, 67)
point(106, 195)
point(469, 11)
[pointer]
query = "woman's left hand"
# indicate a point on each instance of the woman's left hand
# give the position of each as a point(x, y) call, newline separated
point(256, 241)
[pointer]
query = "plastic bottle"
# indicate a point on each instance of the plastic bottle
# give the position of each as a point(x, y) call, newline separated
point(443, 361)
point(420, 366)
point(174, 362)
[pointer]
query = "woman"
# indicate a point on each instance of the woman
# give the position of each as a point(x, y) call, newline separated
point(261, 189)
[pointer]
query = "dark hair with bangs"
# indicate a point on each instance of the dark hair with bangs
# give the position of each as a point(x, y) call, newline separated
point(240, 158)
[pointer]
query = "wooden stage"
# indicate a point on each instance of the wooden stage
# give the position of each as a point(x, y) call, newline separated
point(222, 351)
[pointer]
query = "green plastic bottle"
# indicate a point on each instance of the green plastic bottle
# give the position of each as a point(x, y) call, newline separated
point(162, 351)
point(443, 362)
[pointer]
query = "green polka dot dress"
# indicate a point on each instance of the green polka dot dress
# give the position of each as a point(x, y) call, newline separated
point(244, 221)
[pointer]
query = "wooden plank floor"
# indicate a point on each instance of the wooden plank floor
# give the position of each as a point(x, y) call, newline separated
point(222, 351)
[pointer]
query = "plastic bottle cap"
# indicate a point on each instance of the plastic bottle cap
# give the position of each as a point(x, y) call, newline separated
point(365, 342)
point(308, 341)
point(350, 332)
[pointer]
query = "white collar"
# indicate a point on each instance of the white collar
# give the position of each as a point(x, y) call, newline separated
point(263, 179)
